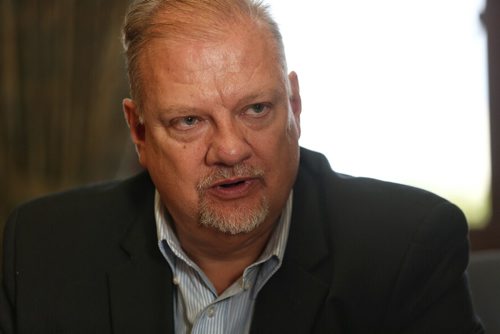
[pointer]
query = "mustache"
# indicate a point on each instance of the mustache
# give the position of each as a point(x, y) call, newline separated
point(222, 173)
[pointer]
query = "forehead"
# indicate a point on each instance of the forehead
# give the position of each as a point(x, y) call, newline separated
point(228, 64)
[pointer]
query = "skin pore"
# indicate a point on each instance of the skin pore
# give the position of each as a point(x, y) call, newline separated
point(219, 137)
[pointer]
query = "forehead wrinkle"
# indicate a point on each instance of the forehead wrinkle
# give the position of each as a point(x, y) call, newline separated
point(242, 62)
point(226, 70)
point(238, 93)
point(215, 67)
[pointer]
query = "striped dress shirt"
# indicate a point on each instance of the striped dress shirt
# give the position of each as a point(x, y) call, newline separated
point(197, 306)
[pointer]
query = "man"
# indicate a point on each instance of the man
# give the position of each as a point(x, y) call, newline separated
point(234, 228)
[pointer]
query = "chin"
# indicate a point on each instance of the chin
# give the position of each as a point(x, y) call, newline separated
point(233, 220)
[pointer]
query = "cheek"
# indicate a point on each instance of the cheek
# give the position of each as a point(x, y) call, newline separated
point(176, 173)
point(179, 164)
point(293, 126)
point(278, 151)
point(289, 136)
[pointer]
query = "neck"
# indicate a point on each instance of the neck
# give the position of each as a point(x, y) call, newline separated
point(224, 257)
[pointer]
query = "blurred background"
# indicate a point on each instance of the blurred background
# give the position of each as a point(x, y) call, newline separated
point(406, 91)
point(396, 90)
point(62, 82)
point(392, 90)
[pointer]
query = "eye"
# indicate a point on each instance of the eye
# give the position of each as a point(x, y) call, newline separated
point(185, 123)
point(257, 109)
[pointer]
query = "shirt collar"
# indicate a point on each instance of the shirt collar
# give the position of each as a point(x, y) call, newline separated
point(275, 246)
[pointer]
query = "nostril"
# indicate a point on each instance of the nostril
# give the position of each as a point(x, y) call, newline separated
point(228, 147)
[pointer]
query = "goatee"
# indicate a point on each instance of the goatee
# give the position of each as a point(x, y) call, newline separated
point(240, 218)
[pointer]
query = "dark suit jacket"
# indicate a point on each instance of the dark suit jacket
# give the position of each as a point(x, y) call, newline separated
point(363, 256)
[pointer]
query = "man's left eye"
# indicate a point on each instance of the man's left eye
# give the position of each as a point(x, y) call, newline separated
point(189, 120)
point(257, 108)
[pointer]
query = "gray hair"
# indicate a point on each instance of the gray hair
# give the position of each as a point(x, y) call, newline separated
point(188, 20)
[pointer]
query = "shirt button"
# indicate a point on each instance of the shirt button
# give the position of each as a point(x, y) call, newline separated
point(175, 280)
point(211, 311)
point(245, 284)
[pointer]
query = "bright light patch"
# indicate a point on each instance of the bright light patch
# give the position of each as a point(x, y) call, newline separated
point(395, 90)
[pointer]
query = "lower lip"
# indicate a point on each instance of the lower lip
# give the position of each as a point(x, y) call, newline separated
point(234, 192)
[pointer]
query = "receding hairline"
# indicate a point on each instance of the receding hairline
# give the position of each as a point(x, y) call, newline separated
point(184, 21)
point(178, 25)
point(234, 38)
point(191, 18)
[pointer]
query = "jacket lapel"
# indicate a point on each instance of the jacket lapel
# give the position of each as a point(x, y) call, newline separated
point(289, 302)
point(141, 293)
point(292, 300)
point(141, 298)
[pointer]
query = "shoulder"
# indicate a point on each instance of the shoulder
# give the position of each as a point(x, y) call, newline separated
point(370, 201)
point(97, 211)
point(393, 249)
point(382, 218)
point(96, 198)
point(315, 168)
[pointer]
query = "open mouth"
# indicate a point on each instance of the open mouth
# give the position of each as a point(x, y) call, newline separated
point(233, 188)
point(232, 184)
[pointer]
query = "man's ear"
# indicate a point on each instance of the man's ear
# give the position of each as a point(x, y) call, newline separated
point(137, 128)
point(295, 100)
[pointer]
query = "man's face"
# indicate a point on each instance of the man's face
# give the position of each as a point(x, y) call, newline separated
point(220, 132)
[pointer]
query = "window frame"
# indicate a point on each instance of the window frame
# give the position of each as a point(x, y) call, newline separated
point(489, 237)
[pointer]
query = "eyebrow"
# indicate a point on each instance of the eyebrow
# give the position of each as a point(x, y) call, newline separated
point(271, 94)
point(179, 109)
point(268, 94)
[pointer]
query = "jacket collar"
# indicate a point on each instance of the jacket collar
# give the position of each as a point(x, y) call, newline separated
point(141, 291)
point(292, 299)
point(141, 287)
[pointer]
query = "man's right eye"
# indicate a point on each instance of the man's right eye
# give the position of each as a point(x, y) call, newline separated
point(185, 123)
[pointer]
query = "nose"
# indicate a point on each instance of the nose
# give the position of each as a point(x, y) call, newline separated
point(228, 145)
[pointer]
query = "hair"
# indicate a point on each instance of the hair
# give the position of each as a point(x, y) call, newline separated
point(180, 20)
